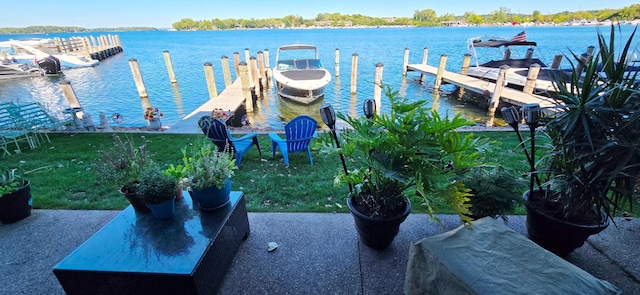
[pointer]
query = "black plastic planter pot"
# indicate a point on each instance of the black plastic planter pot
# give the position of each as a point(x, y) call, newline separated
point(555, 235)
point(378, 233)
point(16, 205)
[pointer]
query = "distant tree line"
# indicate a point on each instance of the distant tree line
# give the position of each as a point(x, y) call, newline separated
point(425, 17)
point(55, 29)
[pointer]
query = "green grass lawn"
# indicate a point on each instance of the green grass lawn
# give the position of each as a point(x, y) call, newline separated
point(68, 178)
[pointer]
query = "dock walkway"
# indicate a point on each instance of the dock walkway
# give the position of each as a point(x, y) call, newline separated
point(508, 95)
point(231, 98)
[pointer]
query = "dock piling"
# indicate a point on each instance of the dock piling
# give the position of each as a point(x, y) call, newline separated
point(246, 88)
point(466, 60)
point(72, 98)
point(226, 71)
point(267, 65)
point(337, 62)
point(253, 72)
point(137, 78)
point(497, 92)
point(441, 67)
point(236, 62)
point(354, 73)
point(532, 76)
point(557, 59)
point(377, 90)
point(167, 61)
point(211, 80)
point(405, 62)
point(425, 53)
point(261, 74)
point(247, 59)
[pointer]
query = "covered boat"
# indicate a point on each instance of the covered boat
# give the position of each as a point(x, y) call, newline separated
point(300, 77)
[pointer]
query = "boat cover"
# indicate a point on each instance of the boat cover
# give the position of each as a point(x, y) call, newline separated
point(500, 43)
point(491, 258)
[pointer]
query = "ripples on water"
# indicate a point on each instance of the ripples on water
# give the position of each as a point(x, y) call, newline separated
point(109, 87)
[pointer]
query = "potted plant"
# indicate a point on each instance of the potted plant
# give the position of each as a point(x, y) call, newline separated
point(15, 196)
point(179, 173)
point(157, 191)
point(410, 152)
point(593, 163)
point(123, 165)
point(495, 191)
point(208, 174)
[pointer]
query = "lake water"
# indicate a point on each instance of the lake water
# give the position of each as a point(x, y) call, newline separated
point(110, 88)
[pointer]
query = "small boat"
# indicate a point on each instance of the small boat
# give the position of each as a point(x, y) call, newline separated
point(300, 79)
point(509, 52)
point(10, 70)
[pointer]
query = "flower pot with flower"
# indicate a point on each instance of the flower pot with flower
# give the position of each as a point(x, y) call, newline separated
point(153, 115)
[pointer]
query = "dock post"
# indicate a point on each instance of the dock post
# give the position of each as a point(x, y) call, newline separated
point(466, 60)
point(246, 88)
point(263, 81)
point(584, 59)
point(337, 62)
point(497, 92)
point(354, 73)
point(532, 76)
point(247, 59)
point(226, 71)
point(71, 97)
point(167, 61)
point(425, 53)
point(236, 62)
point(253, 73)
point(405, 62)
point(507, 54)
point(441, 67)
point(56, 42)
point(267, 65)
point(557, 59)
point(137, 78)
point(86, 47)
point(211, 80)
point(377, 90)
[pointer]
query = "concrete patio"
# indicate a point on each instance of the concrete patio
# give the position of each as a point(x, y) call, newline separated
point(318, 253)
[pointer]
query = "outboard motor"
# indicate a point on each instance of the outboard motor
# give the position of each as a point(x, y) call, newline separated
point(50, 65)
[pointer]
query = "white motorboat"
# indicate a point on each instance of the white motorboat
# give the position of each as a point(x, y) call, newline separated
point(10, 70)
point(299, 77)
point(518, 55)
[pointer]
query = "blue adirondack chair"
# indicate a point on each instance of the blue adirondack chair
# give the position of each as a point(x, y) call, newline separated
point(298, 133)
point(217, 132)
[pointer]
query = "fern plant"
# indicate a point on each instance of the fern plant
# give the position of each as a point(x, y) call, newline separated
point(411, 151)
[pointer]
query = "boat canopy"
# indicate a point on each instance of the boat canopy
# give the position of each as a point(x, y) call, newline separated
point(500, 43)
point(297, 47)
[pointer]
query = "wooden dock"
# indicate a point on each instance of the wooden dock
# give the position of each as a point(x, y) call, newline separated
point(231, 98)
point(508, 95)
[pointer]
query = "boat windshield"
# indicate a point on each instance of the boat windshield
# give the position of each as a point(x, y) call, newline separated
point(299, 64)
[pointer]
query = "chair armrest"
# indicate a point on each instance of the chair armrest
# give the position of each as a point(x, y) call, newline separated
point(275, 137)
point(244, 137)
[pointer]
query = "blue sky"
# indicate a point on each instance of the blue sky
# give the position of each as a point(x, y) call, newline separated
point(162, 13)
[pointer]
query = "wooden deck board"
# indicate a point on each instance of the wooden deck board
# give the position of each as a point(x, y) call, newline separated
point(508, 95)
point(229, 99)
